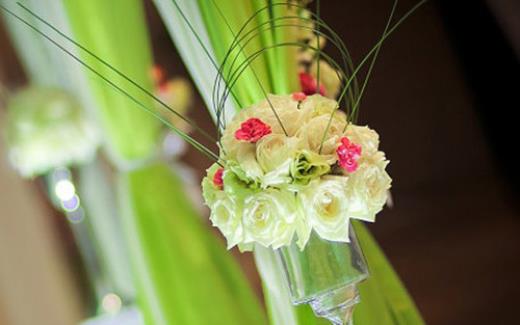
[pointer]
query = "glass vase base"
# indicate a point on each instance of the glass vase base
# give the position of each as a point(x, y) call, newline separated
point(337, 306)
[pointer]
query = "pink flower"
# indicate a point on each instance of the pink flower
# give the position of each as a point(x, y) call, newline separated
point(252, 130)
point(218, 180)
point(309, 85)
point(348, 155)
point(299, 96)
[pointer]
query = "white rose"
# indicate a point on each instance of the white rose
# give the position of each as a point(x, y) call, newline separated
point(278, 177)
point(269, 218)
point(325, 203)
point(368, 188)
point(225, 216)
point(246, 158)
point(244, 155)
point(210, 191)
point(274, 154)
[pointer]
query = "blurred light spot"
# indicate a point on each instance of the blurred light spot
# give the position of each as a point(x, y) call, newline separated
point(111, 303)
point(61, 173)
point(64, 190)
point(76, 216)
point(71, 205)
point(173, 145)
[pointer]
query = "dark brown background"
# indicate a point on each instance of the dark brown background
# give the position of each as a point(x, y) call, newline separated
point(443, 103)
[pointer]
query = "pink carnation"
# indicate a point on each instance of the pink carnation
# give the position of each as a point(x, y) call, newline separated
point(309, 85)
point(299, 96)
point(252, 130)
point(348, 155)
point(218, 180)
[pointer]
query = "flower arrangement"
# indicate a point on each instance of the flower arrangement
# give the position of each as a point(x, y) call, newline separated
point(290, 165)
point(46, 128)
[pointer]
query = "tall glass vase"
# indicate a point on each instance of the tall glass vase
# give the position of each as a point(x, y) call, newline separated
point(85, 197)
point(325, 275)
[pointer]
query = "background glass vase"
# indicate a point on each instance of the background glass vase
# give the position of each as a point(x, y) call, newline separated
point(84, 195)
point(325, 275)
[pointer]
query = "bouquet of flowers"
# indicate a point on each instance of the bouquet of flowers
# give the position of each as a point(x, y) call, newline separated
point(291, 165)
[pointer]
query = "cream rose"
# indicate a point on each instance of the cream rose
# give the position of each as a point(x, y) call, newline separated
point(274, 149)
point(367, 138)
point(284, 106)
point(325, 203)
point(329, 77)
point(287, 111)
point(270, 217)
point(368, 188)
point(312, 134)
point(230, 146)
point(317, 105)
point(288, 114)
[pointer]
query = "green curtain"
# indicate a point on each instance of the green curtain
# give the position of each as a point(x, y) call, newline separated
point(182, 275)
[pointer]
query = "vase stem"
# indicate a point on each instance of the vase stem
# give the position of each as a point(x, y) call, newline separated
point(325, 275)
point(337, 306)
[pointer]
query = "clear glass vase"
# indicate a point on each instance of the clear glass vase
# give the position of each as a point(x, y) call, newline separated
point(325, 275)
point(84, 195)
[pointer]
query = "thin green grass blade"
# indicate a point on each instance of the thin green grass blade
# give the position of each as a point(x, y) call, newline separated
point(188, 277)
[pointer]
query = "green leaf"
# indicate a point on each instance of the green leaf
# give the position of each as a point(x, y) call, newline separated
point(186, 276)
